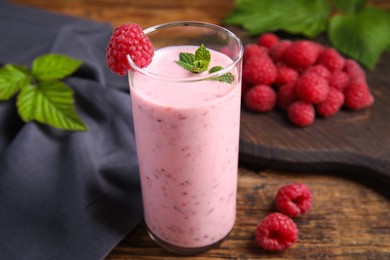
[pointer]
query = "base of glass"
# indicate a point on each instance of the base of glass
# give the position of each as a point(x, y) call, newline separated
point(183, 250)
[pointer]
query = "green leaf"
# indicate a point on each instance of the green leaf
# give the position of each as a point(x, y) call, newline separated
point(186, 60)
point(227, 77)
point(363, 36)
point(202, 59)
point(307, 17)
point(215, 69)
point(54, 66)
point(49, 102)
point(12, 79)
point(350, 6)
point(187, 57)
point(197, 62)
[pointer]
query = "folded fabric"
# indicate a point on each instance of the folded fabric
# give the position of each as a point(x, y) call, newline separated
point(63, 194)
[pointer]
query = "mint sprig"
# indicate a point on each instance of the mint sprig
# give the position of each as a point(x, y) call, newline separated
point(200, 61)
point(197, 62)
point(354, 28)
point(41, 95)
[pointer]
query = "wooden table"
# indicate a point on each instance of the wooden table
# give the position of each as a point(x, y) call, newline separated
point(350, 217)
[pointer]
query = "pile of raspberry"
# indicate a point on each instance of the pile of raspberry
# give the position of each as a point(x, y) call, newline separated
point(303, 78)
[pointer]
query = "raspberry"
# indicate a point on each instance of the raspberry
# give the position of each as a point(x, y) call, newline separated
point(245, 86)
point(128, 39)
point(358, 96)
point(276, 232)
point(301, 113)
point(285, 74)
point(286, 95)
point(260, 98)
point(338, 80)
point(320, 70)
point(268, 40)
point(293, 199)
point(320, 48)
point(259, 70)
point(301, 54)
point(331, 59)
point(354, 71)
point(253, 50)
point(277, 52)
point(332, 104)
point(312, 88)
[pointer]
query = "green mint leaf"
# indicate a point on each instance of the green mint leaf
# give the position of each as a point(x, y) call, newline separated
point(184, 65)
point(54, 66)
point(227, 77)
point(349, 6)
point(307, 17)
point(12, 79)
point(363, 36)
point(49, 102)
point(186, 60)
point(215, 69)
point(202, 59)
point(187, 57)
point(197, 62)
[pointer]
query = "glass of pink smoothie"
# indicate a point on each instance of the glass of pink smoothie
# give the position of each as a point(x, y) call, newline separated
point(187, 133)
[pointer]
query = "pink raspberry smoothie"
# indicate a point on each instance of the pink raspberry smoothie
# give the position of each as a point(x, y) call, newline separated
point(187, 137)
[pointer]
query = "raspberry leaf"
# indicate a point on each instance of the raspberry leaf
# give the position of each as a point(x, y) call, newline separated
point(368, 30)
point(54, 66)
point(12, 79)
point(308, 17)
point(49, 102)
point(349, 6)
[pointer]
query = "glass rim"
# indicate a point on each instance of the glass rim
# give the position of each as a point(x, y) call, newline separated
point(198, 77)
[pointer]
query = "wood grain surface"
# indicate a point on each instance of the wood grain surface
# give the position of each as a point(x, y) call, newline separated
point(348, 220)
point(350, 215)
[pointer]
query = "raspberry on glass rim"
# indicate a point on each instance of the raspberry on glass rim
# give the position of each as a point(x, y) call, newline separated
point(128, 39)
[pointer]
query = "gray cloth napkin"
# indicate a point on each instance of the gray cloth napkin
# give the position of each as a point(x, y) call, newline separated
point(66, 195)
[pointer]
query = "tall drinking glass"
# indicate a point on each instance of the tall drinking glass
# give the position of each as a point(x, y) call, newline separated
point(187, 133)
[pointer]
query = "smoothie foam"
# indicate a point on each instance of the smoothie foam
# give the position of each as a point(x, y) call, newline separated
point(187, 144)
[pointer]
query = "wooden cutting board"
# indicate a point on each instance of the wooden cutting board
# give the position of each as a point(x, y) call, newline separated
point(351, 142)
